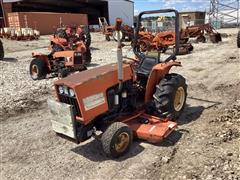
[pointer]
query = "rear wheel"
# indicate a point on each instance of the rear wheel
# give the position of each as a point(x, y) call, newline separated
point(115, 36)
point(238, 39)
point(1, 50)
point(87, 36)
point(117, 139)
point(38, 69)
point(170, 96)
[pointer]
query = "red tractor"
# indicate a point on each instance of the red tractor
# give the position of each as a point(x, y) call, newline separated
point(70, 52)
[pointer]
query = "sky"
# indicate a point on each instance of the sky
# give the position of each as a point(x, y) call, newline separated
point(180, 5)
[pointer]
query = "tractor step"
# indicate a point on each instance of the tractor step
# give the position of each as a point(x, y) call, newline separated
point(150, 128)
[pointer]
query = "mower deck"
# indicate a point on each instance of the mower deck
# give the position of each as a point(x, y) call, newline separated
point(150, 128)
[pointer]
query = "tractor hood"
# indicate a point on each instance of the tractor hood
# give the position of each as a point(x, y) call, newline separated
point(77, 79)
point(90, 89)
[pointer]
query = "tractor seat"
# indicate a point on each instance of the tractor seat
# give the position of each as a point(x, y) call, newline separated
point(146, 65)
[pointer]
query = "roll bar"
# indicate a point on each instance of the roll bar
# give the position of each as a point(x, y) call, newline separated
point(136, 35)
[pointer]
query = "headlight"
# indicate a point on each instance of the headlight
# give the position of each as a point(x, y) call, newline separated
point(60, 89)
point(65, 89)
point(71, 93)
point(78, 54)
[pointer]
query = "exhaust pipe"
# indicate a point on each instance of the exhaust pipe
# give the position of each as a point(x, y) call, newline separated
point(119, 53)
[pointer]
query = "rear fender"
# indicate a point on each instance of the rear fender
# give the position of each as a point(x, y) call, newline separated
point(42, 57)
point(157, 74)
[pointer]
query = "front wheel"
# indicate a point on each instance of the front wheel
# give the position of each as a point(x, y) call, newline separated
point(38, 69)
point(87, 56)
point(170, 96)
point(117, 139)
point(107, 37)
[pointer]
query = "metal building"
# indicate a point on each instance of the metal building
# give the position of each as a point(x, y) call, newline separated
point(111, 9)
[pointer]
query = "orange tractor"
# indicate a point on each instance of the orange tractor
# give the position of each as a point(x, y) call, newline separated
point(132, 98)
point(109, 31)
point(70, 52)
point(161, 42)
point(198, 31)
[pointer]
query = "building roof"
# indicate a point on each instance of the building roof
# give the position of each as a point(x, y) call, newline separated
point(190, 12)
point(9, 1)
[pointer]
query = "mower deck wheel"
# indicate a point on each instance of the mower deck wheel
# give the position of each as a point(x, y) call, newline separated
point(38, 69)
point(238, 39)
point(170, 96)
point(117, 139)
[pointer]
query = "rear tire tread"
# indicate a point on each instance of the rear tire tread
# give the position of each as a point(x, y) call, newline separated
point(164, 95)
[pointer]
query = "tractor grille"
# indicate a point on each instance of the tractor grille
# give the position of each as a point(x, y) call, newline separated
point(78, 60)
point(71, 101)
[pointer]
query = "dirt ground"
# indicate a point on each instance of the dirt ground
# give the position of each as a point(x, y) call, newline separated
point(205, 146)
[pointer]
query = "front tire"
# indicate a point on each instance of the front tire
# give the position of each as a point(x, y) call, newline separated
point(107, 37)
point(62, 73)
point(170, 96)
point(87, 56)
point(38, 69)
point(117, 140)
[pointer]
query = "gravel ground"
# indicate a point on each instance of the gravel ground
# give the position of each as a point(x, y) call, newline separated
point(206, 146)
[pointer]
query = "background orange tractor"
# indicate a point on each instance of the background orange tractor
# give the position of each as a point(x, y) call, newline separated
point(109, 31)
point(199, 31)
point(161, 42)
point(132, 98)
point(70, 52)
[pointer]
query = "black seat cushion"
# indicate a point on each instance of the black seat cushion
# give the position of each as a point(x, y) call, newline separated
point(146, 65)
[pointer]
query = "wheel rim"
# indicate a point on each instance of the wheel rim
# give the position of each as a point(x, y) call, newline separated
point(115, 36)
point(34, 71)
point(179, 99)
point(122, 142)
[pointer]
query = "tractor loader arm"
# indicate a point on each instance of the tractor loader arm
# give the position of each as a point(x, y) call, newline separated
point(157, 74)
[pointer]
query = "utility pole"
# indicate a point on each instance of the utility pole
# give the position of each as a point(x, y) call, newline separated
point(226, 11)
